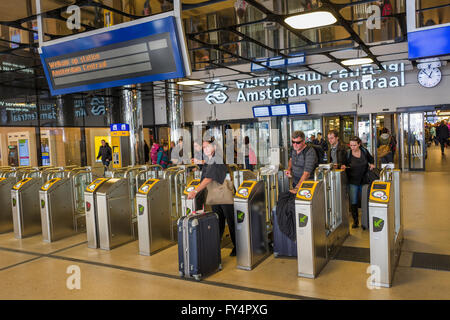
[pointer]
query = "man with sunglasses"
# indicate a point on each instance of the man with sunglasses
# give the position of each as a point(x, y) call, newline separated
point(303, 160)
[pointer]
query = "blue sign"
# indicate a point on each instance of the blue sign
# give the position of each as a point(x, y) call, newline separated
point(120, 127)
point(278, 62)
point(280, 110)
point(429, 43)
point(134, 52)
point(256, 67)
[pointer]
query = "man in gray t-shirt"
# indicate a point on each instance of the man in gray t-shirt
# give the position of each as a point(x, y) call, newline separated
point(303, 160)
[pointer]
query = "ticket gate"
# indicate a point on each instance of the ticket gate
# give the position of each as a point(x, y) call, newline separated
point(321, 210)
point(192, 205)
point(56, 200)
point(62, 203)
point(115, 213)
point(25, 207)
point(385, 225)
point(240, 176)
point(252, 245)
point(91, 209)
point(6, 222)
point(154, 221)
point(178, 178)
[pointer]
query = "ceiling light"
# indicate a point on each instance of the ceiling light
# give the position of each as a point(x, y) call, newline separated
point(310, 20)
point(190, 82)
point(358, 61)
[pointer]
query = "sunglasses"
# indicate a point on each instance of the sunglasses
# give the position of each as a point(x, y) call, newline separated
point(296, 142)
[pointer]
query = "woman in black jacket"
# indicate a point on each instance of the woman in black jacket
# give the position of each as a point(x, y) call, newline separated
point(357, 163)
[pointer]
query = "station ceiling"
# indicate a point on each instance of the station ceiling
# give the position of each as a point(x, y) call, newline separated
point(21, 71)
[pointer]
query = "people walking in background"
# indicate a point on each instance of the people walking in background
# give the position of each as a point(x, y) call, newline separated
point(154, 152)
point(146, 152)
point(357, 163)
point(442, 133)
point(163, 156)
point(386, 146)
point(105, 153)
point(320, 141)
point(250, 156)
point(337, 152)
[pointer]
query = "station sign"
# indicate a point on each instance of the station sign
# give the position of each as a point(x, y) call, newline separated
point(143, 50)
point(280, 110)
point(120, 130)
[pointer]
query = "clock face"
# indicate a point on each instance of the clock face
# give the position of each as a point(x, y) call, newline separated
point(429, 77)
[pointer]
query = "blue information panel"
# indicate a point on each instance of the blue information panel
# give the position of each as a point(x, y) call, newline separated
point(296, 59)
point(429, 43)
point(280, 110)
point(135, 53)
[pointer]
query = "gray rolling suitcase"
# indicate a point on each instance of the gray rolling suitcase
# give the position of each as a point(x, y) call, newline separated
point(365, 206)
point(199, 245)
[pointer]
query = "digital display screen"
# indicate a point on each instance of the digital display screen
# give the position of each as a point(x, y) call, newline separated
point(135, 58)
point(307, 185)
point(246, 184)
point(280, 110)
point(261, 111)
point(379, 186)
point(298, 108)
point(127, 53)
point(195, 183)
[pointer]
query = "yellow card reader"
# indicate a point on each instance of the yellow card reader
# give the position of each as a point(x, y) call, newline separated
point(95, 184)
point(21, 183)
point(245, 189)
point(147, 186)
point(380, 191)
point(191, 186)
point(49, 183)
point(306, 190)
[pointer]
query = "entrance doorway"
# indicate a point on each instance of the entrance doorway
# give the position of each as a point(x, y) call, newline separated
point(435, 161)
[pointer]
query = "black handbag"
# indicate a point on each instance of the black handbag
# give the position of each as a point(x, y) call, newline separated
point(371, 176)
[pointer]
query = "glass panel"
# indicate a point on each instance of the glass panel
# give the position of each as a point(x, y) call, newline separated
point(308, 126)
point(248, 130)
point(432, 12)
point(348, 128)
point(416, 140)
point(331, 123)
point(263, 154)
point(60, 146)
point(404, 120)
point(364, 131)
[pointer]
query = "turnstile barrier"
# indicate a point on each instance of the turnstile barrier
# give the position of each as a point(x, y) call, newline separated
point(154, 221)
point(385, 226)
point(252, 245)
point(91, 210)
point(115, 213)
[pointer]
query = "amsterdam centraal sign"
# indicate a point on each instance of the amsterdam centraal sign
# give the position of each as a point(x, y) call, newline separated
point(363, 78)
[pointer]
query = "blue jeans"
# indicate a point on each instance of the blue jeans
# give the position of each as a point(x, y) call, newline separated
point(354, 193)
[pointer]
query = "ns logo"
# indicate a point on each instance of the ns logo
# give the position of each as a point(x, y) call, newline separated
point(98, 107)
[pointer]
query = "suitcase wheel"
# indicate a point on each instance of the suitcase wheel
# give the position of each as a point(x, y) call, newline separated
point(220, 266)
point(197, 277)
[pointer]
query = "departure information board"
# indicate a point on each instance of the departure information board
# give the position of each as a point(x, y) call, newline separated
point(120, 55)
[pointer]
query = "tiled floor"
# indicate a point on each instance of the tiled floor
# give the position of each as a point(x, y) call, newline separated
point(32, 269)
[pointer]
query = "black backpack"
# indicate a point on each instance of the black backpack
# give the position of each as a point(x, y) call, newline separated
point(319, 152)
